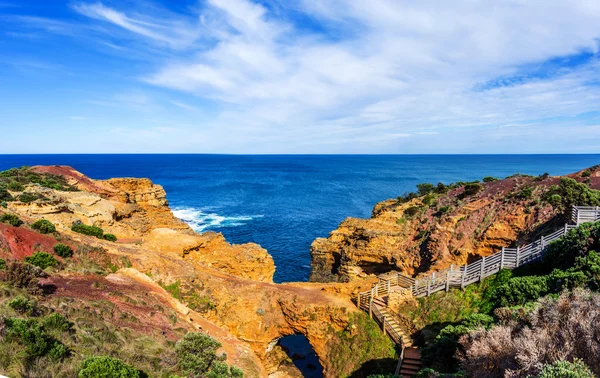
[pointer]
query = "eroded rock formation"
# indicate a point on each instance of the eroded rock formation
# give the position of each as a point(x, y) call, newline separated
point(440, 229)
point(223, 289)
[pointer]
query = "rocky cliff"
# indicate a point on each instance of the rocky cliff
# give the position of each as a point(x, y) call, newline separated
point(443, 225)
point(208, 284)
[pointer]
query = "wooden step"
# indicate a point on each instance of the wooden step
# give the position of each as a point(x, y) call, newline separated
point(412, 363)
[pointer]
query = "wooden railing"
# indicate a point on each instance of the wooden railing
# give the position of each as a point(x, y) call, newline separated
point(459, 277)
point(582, 214)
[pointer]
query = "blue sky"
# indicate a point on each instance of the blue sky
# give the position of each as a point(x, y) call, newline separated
point(299, 76)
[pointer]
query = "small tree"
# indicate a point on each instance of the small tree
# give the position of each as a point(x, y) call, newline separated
point(11, 219)
point(43, 226)
point(41, 259)
point(565, 369)
point(63, 250)
point(107, 367)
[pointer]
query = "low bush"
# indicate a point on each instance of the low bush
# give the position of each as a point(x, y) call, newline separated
point(11, 219)
point(88, 230)
point(571, 193)
point(5, 195)
point(424, 188)
point(566, 369)
point(63, 250)
point(197, 353)
point(27, 197)
point(471, 189)
point(44, 226)
point(107, 367)
point(110, 237)
point(2, 264)
point(520, 290)
point(33, 336)
point(15, 186)
point(565, 327)
point(412, 211)
point(489, 179)
point(24, 276)
point(22, 305)
point(41, 259)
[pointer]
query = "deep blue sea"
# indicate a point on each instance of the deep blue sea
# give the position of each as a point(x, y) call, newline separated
point(284, 202)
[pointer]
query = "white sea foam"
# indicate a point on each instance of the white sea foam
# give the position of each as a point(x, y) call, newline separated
point(202, 221)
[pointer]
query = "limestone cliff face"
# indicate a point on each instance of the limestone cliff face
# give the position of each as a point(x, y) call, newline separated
point(222, 289)
point(136, 210)
point(452, 228)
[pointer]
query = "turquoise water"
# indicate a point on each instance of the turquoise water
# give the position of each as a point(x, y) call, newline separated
point(284, 202)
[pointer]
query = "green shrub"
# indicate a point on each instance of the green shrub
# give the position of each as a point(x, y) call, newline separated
point(586, 173)
point(411, 211)
point(37, 342)
point(563, 252)
point(24, 276)
point(424, 188)
point(441, 352)
point(15, 186)
point(107, 367)
point(520, 290)
point(2, 264)
point(3, 204)
point(197, 352)
point(43, 226)
point(5, 195)
point(444, 209)
point(525, 193)
point(11, 219)
point(88, 230)
point(63, 250)
point(41, 259)
point(110, 237)
point(27, 197)
point(197, 356)
point(572, 193)
point(58, 322)
point(21, 305)
point(565, 369)
point(489, 179)
point(471, 189)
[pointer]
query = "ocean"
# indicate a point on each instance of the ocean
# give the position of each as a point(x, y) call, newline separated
point(284, 202)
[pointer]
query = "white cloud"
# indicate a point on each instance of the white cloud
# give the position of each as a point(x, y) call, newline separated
point(385, 70)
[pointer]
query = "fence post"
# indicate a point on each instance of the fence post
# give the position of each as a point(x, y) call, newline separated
point(448, 278)
point(358, 301)
point(371, 303)
point(383, 324)
point(502, 259)
point(518, 256)
point(428, 287)
point(482, 266)
point(389, 286)
point(462, 277)
point(566, 228)
point(577, 212)
point(542, 242)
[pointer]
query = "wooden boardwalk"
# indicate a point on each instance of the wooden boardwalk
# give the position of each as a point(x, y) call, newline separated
point(375, 301)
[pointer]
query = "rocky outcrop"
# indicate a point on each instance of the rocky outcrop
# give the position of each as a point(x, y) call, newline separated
point(440, 229)
point(136, 211)
point(225, 290)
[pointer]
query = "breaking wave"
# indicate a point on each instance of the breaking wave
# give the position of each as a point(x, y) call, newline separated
point(201, 221)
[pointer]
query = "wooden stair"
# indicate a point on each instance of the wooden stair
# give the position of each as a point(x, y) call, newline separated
point(411, 363)
point(400, 337)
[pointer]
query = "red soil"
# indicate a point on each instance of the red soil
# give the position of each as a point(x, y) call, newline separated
point(20, 242)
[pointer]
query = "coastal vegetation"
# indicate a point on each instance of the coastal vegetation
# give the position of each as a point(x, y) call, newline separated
point(90, 338)
point(92, 231)
point(485, 330)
